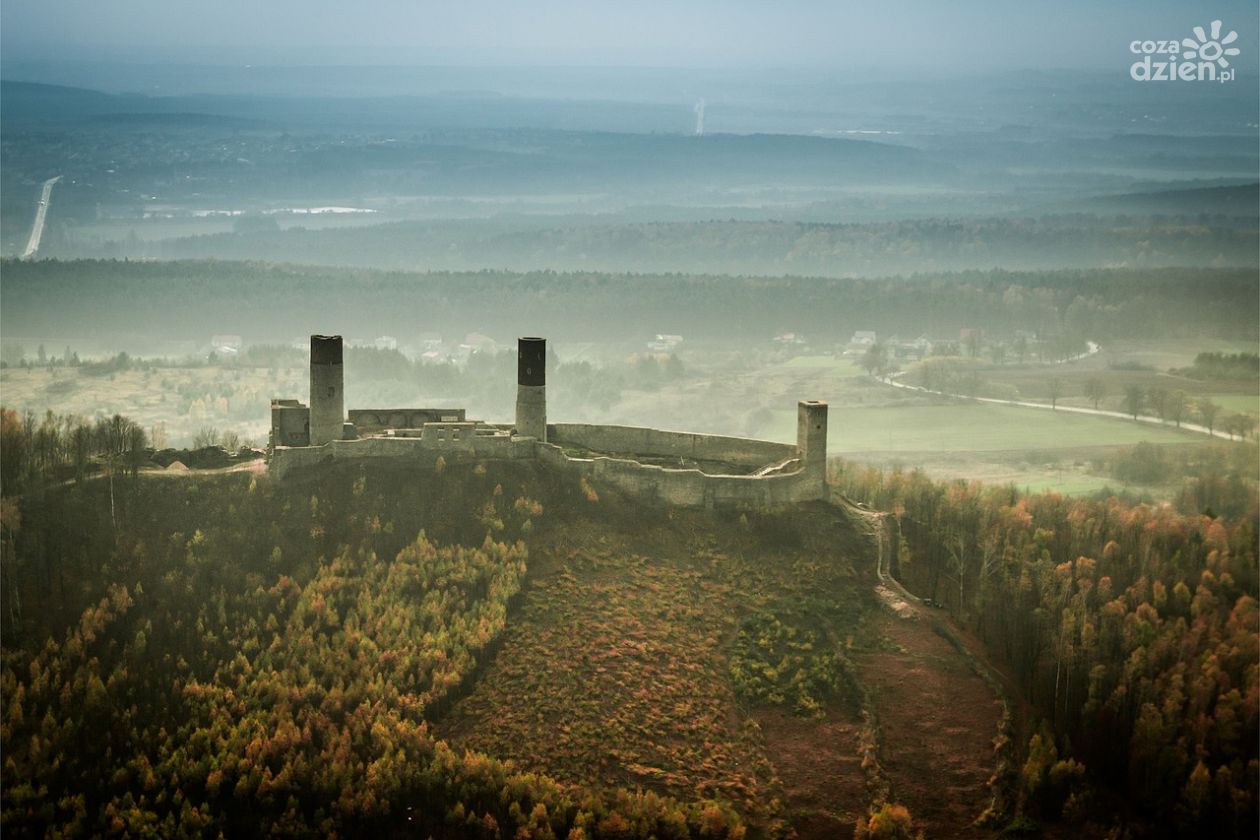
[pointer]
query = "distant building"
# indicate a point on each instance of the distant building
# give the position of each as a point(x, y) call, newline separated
point(226, 345)
point(665, 343)
point(789, 339)
point(916, 348)
point(386, 342)
point(861, 341)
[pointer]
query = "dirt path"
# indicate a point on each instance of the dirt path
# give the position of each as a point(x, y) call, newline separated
point(938, 713)
point(937, 719)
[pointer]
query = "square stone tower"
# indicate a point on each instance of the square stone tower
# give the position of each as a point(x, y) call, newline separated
point(531, 387)
point(328, 408)
point(811, 438)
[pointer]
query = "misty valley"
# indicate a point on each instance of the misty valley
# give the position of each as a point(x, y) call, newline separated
point(888, 467)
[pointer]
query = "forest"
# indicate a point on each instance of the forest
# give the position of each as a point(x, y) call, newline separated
point(720, 246)
point(232, 656)
point(118, 299)
point(1130, 629)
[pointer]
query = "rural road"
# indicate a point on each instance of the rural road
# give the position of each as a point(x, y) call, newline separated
point(891, 379)
point(41, 214)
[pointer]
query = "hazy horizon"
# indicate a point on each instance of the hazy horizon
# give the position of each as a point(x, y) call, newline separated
point(907, 38)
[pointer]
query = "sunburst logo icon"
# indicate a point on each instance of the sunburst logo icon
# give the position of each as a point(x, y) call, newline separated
point(1214, 48)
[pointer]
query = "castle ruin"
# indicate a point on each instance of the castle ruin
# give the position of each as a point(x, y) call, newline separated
point(677, 468)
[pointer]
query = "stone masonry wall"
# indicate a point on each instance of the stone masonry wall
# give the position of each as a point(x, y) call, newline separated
point(656, 442)
point(681, 487)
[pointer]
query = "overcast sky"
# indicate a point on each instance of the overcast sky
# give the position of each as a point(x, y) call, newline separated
point(892, 36)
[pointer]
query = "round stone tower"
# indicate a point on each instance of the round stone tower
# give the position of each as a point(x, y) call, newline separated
point(811, 438)
point(531, 387)
point(328, 411)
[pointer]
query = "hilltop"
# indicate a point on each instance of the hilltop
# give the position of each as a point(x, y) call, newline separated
point(720, 664)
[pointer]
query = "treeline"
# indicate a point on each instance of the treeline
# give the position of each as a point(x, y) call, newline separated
point(1224, 366)
point(1131, 629)
point(38, 451)
point(273, 670)
point(729, 246)
point(1176, 407)
point(182, 299)
point(1218, 480)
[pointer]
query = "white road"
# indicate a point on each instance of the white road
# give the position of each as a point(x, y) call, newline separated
point(41, 214)
point(1097, 412)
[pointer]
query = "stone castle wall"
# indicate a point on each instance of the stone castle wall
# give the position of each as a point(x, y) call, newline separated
point(640, 440)
point(785, 482)
point(687, 487)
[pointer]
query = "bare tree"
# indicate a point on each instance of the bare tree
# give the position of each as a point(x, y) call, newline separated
point(1055, 387)
point(1134, 398)
point(1178, 404)
point(1246, 425)
point(1208, 410)
point(1095, 390)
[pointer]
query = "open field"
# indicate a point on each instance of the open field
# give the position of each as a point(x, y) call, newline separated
point(1070, 472)
point(1172, 352)
point(831, 364)
point(970, 427)
point(1241, 403)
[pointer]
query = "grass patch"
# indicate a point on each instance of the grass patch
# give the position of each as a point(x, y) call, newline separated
point(1239, 403)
